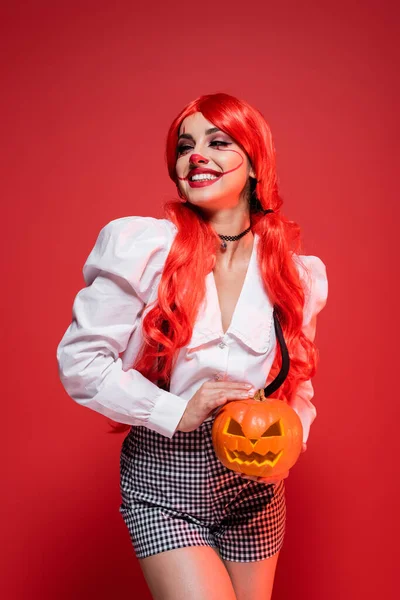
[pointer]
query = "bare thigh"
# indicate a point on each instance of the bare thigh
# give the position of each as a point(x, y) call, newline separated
point(189, 573)
point(253, 579)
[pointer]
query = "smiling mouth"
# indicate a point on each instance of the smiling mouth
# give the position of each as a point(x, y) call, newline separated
point(204, 181)
point(242, 458)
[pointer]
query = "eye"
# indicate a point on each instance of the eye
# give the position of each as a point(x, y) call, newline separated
point(219, 142)
point(181, 149)
point(275, 429)
point(235, 428)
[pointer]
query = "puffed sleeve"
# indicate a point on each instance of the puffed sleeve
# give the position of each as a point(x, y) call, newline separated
point(119, 273)
point(315, 284)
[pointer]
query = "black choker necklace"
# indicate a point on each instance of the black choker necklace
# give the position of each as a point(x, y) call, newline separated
point(233, 238)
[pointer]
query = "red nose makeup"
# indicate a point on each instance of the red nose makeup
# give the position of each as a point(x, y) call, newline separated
point(196, 157)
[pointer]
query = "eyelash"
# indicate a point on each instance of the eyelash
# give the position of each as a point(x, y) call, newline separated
point(180, 148)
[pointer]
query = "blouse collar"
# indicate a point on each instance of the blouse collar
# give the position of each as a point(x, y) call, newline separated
point(252, 320)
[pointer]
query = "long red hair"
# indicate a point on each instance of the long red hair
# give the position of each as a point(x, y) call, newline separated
point(168, 325)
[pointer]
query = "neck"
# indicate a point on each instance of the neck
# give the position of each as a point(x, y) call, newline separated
point(236, 251)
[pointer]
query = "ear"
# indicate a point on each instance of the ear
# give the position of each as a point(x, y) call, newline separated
point(252, 173)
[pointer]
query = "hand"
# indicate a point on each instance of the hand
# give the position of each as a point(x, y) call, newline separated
point(209, 398)
point(265, 480)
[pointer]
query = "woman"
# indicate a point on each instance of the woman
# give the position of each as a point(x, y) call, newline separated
point(177, 320)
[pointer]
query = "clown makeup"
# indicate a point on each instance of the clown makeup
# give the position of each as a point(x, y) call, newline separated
point(222, 166)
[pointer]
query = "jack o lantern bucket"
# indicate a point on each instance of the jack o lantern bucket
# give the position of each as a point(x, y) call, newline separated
point(260, 436)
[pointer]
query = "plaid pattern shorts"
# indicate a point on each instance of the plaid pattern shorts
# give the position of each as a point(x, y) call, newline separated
point(175, 492)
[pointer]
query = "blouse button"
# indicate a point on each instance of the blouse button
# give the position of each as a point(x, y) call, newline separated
point(222, 344)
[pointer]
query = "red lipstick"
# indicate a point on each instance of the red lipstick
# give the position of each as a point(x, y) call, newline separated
point(197, 170)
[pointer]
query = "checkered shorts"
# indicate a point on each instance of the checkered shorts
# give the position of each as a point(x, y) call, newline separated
point(175, 493)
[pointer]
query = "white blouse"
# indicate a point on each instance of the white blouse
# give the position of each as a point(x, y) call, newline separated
point(122, 273)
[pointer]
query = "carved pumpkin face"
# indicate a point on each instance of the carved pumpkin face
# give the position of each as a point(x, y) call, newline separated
point(261, 438)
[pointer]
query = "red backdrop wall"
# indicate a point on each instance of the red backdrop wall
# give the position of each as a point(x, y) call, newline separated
point(89, 90)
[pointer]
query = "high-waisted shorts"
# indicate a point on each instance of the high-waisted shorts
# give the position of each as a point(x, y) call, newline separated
point(175, 492)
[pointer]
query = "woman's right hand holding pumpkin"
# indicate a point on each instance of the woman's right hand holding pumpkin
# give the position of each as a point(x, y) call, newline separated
point(210, 396)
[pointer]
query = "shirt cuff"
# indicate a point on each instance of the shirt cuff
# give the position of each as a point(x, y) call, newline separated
point(166, 413)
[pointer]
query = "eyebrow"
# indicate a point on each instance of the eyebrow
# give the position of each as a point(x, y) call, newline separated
point(188, 136)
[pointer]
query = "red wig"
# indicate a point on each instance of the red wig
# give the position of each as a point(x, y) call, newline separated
point(168, 325)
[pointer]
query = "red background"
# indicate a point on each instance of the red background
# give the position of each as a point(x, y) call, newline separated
point(89, 91)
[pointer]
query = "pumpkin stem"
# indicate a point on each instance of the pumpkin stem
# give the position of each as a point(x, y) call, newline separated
point(260, 395)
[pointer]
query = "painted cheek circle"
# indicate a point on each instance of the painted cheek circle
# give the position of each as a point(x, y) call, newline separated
point(225, 172)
